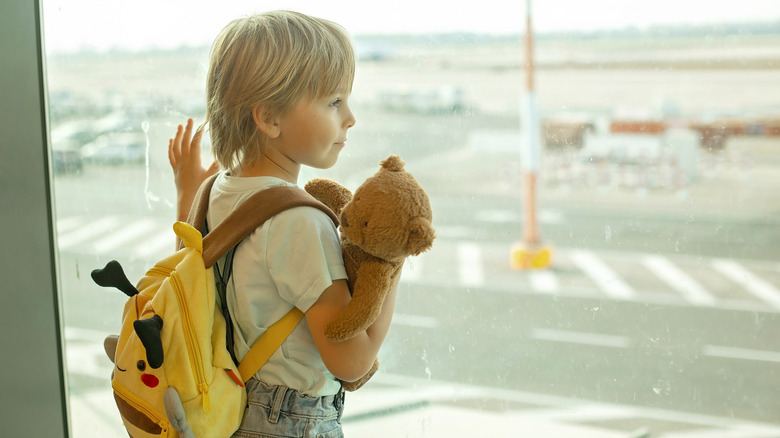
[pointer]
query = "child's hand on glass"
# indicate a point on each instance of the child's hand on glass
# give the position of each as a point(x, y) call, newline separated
point(188, 171)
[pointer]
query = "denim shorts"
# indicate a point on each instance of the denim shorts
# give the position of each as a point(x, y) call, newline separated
point(281, 412)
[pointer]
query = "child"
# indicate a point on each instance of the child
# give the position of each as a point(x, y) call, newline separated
point(277, 91)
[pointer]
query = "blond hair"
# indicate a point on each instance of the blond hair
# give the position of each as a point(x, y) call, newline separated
point(271, 59)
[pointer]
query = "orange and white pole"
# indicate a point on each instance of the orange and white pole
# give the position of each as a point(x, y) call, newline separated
point(529, 253)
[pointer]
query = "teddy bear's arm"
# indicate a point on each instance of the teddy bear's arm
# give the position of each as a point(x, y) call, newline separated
point(374, 280)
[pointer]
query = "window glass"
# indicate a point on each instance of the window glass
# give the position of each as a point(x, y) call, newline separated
point(606, 258)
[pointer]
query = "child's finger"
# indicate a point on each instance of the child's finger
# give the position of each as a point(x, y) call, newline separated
point(177, 140)
point(187, 134)
point(195, 143)
point(171, 156)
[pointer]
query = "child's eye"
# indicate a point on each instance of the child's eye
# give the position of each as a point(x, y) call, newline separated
point(336, 103)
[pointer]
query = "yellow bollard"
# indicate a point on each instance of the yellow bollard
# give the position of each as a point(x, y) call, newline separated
point(524, 257)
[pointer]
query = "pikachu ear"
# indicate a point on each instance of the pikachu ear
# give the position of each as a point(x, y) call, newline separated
point(420, 236)
point(148, 331)
point(112, 275)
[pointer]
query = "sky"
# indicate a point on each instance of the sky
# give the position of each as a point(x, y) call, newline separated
point(100, 24)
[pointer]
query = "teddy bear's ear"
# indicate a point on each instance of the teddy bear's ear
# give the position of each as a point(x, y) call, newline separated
point(393, 163)
point(420, 236)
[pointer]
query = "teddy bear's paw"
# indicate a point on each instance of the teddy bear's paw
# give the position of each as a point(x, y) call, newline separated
point(329, 192)
point(357, 384)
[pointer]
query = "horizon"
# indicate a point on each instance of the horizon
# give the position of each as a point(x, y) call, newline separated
point(97, 25)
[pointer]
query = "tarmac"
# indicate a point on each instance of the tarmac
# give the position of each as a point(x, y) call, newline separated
point(392, 406)
point(395, 406)
point(383, 409)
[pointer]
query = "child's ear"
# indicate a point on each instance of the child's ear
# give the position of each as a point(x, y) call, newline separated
point(266, 121)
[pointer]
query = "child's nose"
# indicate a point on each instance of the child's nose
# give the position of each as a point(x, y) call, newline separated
point(350, 120)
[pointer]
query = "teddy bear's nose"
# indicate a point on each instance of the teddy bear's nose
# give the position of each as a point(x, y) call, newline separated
point(344, 222)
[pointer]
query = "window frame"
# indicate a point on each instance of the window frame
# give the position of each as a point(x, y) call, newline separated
point(33, 378)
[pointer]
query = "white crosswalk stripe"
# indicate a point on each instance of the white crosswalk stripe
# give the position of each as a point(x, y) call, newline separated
point(544, 281)
point(673, 276)
point(470, 264)
point(88, 231)
point(123, 235)
point(156, 245)
point(751, 282)
point(455, 261)
point(601, 274)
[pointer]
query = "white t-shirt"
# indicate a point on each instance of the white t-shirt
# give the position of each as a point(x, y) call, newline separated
point(288, 261)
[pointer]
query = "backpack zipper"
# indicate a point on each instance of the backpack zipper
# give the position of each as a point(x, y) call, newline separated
point(192, 345)
point(159, 271)
point(140, 406)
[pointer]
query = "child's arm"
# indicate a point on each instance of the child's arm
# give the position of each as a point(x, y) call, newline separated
point(188, 172)
point(351, 359)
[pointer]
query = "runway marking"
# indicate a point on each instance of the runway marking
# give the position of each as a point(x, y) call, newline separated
point(88, 231)
point(544, 281)
point(497, 216)
point(573, 337)
point(159, 244)
point(453, 232)
point(512, 216)
point(415, 320)
point(741, 431)
point(605, 278)
point(470, 264)
point(582, 413)
point(679, 280)
point(741, 353)
point(66, 224)
point(133, 231)
point(751, 282)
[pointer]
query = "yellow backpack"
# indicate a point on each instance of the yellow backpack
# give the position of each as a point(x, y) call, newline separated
point(174, 375)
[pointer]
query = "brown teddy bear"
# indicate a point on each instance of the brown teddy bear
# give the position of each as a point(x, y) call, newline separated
point(388, 219)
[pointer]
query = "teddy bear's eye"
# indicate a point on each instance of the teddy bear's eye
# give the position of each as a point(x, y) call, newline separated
point(141, 366)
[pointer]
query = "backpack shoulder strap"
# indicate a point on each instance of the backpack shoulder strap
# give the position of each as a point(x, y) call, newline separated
point(268, 342)
point(249, 215)
point(199, 207)
point(232, 230)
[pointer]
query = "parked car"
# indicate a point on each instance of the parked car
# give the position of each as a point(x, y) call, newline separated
point(116, 149)
point(66, 157)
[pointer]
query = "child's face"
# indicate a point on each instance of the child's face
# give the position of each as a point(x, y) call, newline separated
point(314, 132)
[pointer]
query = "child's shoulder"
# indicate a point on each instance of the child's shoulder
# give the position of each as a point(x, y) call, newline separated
point(305, 216)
